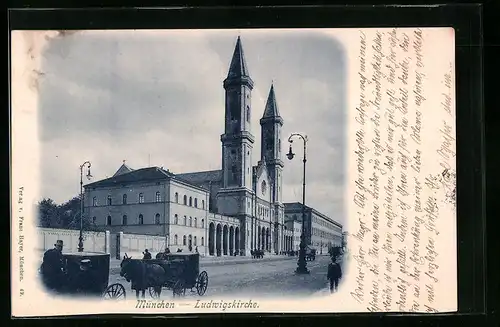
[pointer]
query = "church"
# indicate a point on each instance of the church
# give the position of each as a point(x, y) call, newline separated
point(235, 209)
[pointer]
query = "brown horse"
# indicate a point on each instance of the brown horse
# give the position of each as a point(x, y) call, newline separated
point(142, 275)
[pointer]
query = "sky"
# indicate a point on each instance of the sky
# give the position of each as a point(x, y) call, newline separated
point(156, 98)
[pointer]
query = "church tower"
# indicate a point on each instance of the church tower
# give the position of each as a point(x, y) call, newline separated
point(236, 194)
point(271, 124)
point(271, 152)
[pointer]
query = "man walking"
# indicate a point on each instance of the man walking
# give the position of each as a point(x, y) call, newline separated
point(334, 274)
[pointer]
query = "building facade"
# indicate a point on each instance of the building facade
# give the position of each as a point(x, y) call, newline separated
point(295, 226)
point(321, 232)
point(235, 209)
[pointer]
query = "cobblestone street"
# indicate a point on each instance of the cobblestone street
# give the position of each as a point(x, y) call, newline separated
point(255, 279)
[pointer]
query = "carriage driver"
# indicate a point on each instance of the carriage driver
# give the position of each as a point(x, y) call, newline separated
point(52, 266)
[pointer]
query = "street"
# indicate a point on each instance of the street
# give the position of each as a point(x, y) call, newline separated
point(255, 279)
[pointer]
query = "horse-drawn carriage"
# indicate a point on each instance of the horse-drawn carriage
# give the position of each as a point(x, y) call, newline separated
point(310, 254)
point(174, 271)
point(86, 273)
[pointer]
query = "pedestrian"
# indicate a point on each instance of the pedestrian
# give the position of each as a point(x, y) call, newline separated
point(334, 274)
point(53, 266)
point(147, 255)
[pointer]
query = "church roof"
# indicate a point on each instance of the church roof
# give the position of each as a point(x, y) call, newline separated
point(201, 177)
point(238, 66)
point(138, 175)
point(271, 109)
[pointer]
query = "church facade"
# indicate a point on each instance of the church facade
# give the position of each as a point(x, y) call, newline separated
point(222, 212)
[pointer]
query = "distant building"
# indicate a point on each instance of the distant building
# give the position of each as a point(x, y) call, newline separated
point(321, 232)
point(295, 227)
point(235, 209)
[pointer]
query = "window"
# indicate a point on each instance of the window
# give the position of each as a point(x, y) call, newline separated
point(94, 201)
point(108, 221)
point(94, 220)
point(157, 219)
point(141, 198)
point(176, 197)
point(190, 201)
point(185, 200)
point(185, 220)
point(110, 201)
point(203, 223)
point(176, 219)
point(141, 219)
point(190, 221)
point(248, 113)
point(202, 241)
point(184, 240)
point(203, 204)
point(279, 147)
point(195, 242)
point(124, 220)
point(124, 200)
point(158, 197)
point(175, 239)
point(195, 222)
point(196, 202)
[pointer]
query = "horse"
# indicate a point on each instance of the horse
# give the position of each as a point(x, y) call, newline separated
point(142, 275)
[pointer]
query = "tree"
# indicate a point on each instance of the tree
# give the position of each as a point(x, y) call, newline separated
point(48, 213)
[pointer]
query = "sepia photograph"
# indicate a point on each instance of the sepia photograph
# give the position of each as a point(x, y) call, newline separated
point(252, 170)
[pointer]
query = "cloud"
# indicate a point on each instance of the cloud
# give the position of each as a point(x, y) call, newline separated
point(157, 97)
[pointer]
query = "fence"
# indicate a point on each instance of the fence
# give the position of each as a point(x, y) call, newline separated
point(134, 244)
point(92, 241)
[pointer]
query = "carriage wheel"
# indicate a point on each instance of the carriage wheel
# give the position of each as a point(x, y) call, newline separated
point(114, 291)
point(179, 289)
point(153, 293)
point(202, 283)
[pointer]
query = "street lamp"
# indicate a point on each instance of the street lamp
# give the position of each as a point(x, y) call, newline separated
point(301, 263)
point(80, 239)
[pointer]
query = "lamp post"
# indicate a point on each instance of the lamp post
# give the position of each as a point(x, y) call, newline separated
point(301, 263)
point(80, 239)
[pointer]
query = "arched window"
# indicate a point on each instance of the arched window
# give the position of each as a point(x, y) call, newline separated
point(202, 241)
point(141, 219)
point(176, 219)
point(203, 204)
point(195, 242)
point(190, 201)
point(157, 219)
point(184, 240)
point(108, 221)
point(203, 223)
point(190, 221)
point(176, 197)
point(195, 222)
point(94, 220)
point(124, 200)
point(124, 220)
point(185, 200)
point(141, 198)
point(94, 201)
point(196, 202)
point(185, 221)
point(158, 197)
point(175, 239)
point(110, 201)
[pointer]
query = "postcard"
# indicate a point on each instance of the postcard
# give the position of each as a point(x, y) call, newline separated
point(226, 171)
